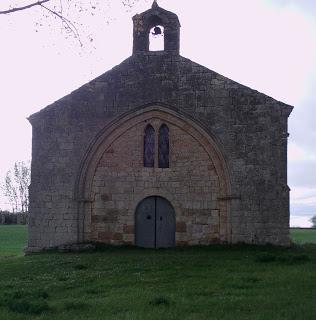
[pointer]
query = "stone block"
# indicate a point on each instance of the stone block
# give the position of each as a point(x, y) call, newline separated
point(117, 236)
point(105, 235)
point(181, 227)
point(128, 229)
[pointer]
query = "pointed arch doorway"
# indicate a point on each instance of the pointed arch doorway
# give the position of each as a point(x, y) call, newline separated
point(155, 223)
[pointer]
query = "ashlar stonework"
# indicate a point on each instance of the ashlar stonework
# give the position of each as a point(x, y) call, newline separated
point(225, 174)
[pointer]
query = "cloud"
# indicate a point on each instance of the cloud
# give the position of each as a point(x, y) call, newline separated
point(302, 127)
point(298, 221)
point(303, 210)
point(297, 153)
point(303, 194)
point(302, 206)
point(302, 174)
point(270, 49)
point(301, 165)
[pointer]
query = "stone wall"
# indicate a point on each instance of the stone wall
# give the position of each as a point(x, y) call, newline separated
point(191, 184)
point(249, 128)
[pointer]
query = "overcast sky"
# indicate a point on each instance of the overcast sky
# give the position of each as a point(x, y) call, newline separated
point(268, 45)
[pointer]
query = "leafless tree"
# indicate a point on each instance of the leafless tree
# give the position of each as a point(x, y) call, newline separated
point(15, 186)
point(61, 10)
point(313, 221)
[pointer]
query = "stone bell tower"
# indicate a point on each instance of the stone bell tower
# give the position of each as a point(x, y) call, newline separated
point(160, 21)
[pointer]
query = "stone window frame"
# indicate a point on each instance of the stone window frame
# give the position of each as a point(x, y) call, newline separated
point(149, 142)
point(156, 124)
point(163, 154)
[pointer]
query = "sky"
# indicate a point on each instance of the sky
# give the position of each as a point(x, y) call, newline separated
point(268, 45)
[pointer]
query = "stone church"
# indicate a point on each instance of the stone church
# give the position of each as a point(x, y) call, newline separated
point(159, 152)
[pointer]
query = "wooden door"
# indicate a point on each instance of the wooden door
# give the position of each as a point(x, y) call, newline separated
point(155, 223)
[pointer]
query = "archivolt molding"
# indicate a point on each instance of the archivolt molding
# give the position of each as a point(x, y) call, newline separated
point(155, 193)
point(117, 128)
point(120, 125)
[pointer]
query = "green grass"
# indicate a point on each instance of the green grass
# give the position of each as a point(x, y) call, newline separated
point(239, 282)
point(13, 239)
point(217, 282)
point(301, 236)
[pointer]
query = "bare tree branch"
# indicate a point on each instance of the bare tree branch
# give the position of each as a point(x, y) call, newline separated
point(69, 25)
point(15, 186)
point(37, 3)
point(67, 13)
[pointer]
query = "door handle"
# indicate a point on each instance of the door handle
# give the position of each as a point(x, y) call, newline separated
point(148, 217)
point(160, 219)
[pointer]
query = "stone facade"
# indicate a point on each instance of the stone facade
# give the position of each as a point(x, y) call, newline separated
point(227, 178)
point(192, 184)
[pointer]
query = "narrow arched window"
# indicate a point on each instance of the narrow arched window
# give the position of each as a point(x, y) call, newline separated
point(163, 147)
point(149, 147)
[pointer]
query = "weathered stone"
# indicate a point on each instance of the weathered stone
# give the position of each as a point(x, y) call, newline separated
point(106, 197)
point(106, 235)
point(128, 229)
point(181, 226)
point(227, 175)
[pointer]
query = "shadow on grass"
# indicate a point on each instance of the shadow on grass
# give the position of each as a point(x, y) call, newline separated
point(27, 302)
point(288, 258)
point(75, 305)
point(159, 301)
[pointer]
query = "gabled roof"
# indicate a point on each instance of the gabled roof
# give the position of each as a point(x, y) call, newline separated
point(160, 77)
point(163, 76)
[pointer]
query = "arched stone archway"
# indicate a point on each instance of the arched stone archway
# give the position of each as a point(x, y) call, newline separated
point(113, 180)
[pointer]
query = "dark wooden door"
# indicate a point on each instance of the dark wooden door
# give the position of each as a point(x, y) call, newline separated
point(155, 223)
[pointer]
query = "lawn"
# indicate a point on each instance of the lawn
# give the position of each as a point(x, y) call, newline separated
point(13, 239)
point(301, 236)
point(218, 282)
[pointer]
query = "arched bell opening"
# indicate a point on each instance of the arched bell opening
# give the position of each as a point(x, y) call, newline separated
point(157, 38)
point(156, 30)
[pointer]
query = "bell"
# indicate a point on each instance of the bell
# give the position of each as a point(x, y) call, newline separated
point(157, 31)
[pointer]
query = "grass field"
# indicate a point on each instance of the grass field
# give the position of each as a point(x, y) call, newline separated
point(13, 239)
point(300, 236)
point(237, 282)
